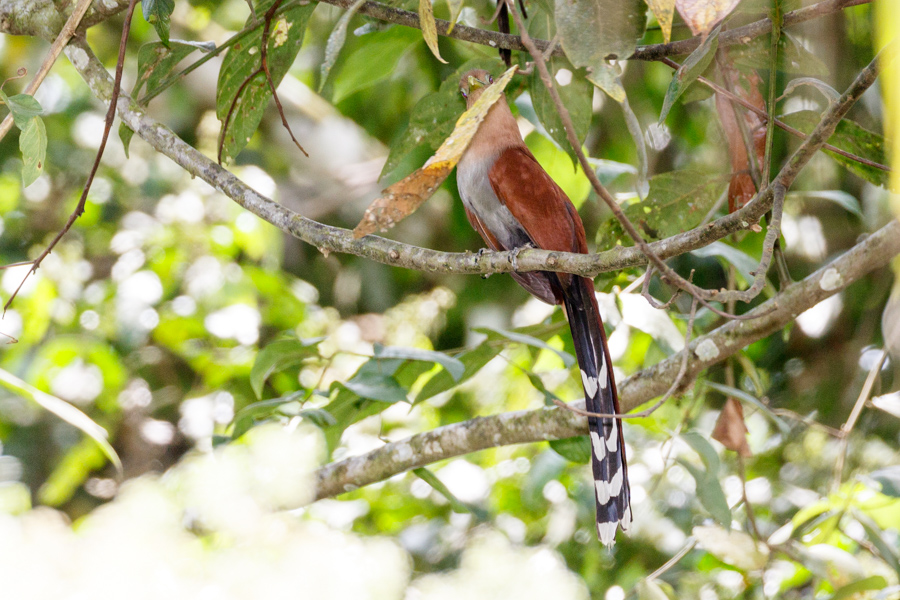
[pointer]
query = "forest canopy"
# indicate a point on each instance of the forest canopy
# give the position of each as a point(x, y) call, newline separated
point(252, 347)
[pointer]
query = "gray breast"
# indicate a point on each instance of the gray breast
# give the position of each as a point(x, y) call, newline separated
point(478, 196)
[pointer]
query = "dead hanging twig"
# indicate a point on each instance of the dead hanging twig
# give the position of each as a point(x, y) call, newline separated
point(110, 117)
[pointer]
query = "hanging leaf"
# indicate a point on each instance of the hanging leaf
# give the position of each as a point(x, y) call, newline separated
point(429, 28)
point(455, 7)
point(793, 57)
point(730, 429)
point(889, 478)
point(676, 202)
point(702, 15)
point(158, 13)
point(743, 262)
point(593, 32)
point(431, 479)
point(23, 108)
point(473, 361)
point(574, 449)
point(576, 94)
point(692, 68)
point(33, 145)
point(278, 356)
point(156, 61)
point(404, 197)
point(664, 11)
point(336, 42)
point(243, 93)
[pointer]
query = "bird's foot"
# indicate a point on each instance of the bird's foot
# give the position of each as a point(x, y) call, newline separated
point(514, 256)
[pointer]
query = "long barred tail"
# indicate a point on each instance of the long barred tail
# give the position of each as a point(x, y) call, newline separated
point(608, 457)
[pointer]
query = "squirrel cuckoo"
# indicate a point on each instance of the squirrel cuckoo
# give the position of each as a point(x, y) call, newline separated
point(512, 203)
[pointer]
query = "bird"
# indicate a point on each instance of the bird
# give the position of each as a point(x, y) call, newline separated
point(513, 203)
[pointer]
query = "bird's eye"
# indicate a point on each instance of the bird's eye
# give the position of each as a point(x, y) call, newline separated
point(490, 79)
point(464, 94)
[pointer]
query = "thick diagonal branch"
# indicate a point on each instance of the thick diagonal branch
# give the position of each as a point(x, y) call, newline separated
point(554, 423)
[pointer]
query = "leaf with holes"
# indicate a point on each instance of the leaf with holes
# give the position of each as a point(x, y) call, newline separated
point(593, 32)
point(158, 13)
point(243, 93)
point(676, 202)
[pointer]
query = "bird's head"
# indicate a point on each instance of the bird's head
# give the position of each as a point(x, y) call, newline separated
point(473, 84)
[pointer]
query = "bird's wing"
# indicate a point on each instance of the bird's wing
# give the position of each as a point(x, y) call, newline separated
point(537, 202)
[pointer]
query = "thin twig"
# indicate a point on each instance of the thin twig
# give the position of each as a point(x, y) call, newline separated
point(110, 116)
point(748, 507)
point(264, 53)
point(847, 427)
point(56, 49)
point(674, 560)
point(785, 412)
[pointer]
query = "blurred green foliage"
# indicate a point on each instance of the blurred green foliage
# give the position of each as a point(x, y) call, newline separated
point(180, 322)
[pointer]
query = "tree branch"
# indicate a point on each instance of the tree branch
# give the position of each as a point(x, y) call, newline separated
point(521, 427)
point(336, 239)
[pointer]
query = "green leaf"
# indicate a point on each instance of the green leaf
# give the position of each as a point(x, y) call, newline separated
point(886, 549)
point(846, 201)
point(494, 333)
point(701, 446)
point(875, 582)
point(277, 356)
point(156, 61)
point(336, 42)
point(472, 361)
point(742, 261)
point(576, 95)
point(376, 386)
point(64, 411)
point(593, 32)
point(452, 365)
point(33, 145)
point(574, 449)
point(792, 56)
point(431, 479)
point(676, 202)
point(23, 108)
point(375, 58)
point(692, 68)
point(710, 494)
point(250, 414)
point(850, 137)
point(125, 134)
point(889, 478)
point(158, 13)
point(243, 93)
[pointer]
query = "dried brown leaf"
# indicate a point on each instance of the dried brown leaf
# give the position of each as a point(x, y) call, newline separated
point(404, 197)
point(702, 15)
point(730, 430)
point(742, 189)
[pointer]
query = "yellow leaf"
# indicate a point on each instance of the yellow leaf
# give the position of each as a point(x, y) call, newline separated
point(455, 8)
point(702, 15)
point(663, 10)
point(429, 28)
point(402, 199)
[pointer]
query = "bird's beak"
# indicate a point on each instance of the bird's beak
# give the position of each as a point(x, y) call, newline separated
point(475, 83)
